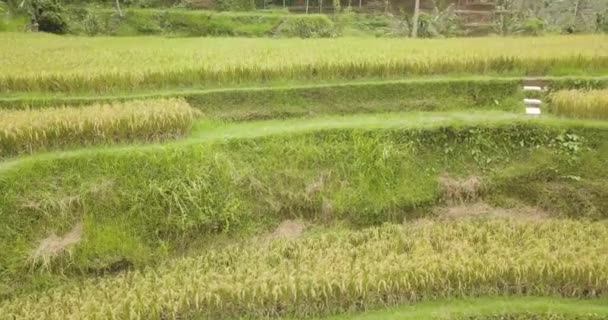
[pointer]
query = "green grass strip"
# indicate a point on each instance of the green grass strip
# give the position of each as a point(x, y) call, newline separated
point(43, 99)
point(209, 131)
point(453, 309)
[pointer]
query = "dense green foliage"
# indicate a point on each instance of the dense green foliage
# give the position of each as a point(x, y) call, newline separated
point(440, 19)
point(49, 14)
point(309, 26)
point(234, 5)
point(172, 23)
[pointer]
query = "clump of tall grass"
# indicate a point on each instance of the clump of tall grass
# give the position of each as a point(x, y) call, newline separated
point(26, 131)
point(581, 103)
point(345, 270)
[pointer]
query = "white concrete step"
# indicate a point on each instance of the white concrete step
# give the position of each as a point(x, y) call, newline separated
point(532, 102)
point(533, 111)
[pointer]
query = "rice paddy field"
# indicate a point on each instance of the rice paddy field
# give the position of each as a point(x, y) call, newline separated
point(329, 179)
point(121, 64)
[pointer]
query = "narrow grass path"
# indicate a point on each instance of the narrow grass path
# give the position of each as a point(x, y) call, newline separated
point(265, 86)
point(453, 309)
point(212, 130)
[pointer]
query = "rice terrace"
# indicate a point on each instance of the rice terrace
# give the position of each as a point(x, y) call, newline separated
point(287, 159)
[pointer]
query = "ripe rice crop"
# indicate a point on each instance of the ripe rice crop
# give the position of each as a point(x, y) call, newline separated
point(581, 103)
point(119, 64)
point(26, 131)
point(343, 270)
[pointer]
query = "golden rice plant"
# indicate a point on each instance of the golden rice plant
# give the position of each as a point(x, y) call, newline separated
point(26, 131)
point(581, 103)
point(342, 270)
point(109, 64)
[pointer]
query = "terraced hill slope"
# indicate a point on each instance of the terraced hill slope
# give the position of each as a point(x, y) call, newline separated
point(206, 178)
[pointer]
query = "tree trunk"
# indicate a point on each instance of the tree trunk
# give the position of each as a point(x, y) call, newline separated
point(284, 4)
point(415, 20)
point(118, 8)
point(360, 4)
point(320, 6)
point(307, 6)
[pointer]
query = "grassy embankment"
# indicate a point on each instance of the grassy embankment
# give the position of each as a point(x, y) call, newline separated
point(142, 204)
point(353, 97)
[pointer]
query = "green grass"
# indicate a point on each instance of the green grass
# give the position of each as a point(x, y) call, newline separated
point(73, 64)
point(268, 102)
point(212, 130)
point(159, 199)
point(486, 306)
point(309, 100)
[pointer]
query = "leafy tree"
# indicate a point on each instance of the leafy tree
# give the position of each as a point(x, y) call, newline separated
point(47, 15)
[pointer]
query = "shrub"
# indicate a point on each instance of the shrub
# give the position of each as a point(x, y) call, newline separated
point(198, 4)
point(235, 5)
point(4, 16)
point(92, 24)
point(532, 26)
point(602, 21)
point(312, 26)
point(49, 14)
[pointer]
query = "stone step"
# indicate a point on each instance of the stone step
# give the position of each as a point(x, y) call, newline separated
point(533, 102)
point(533, 111)
point(533, 88)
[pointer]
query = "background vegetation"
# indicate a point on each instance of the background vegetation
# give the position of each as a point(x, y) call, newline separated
point(391, 18)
